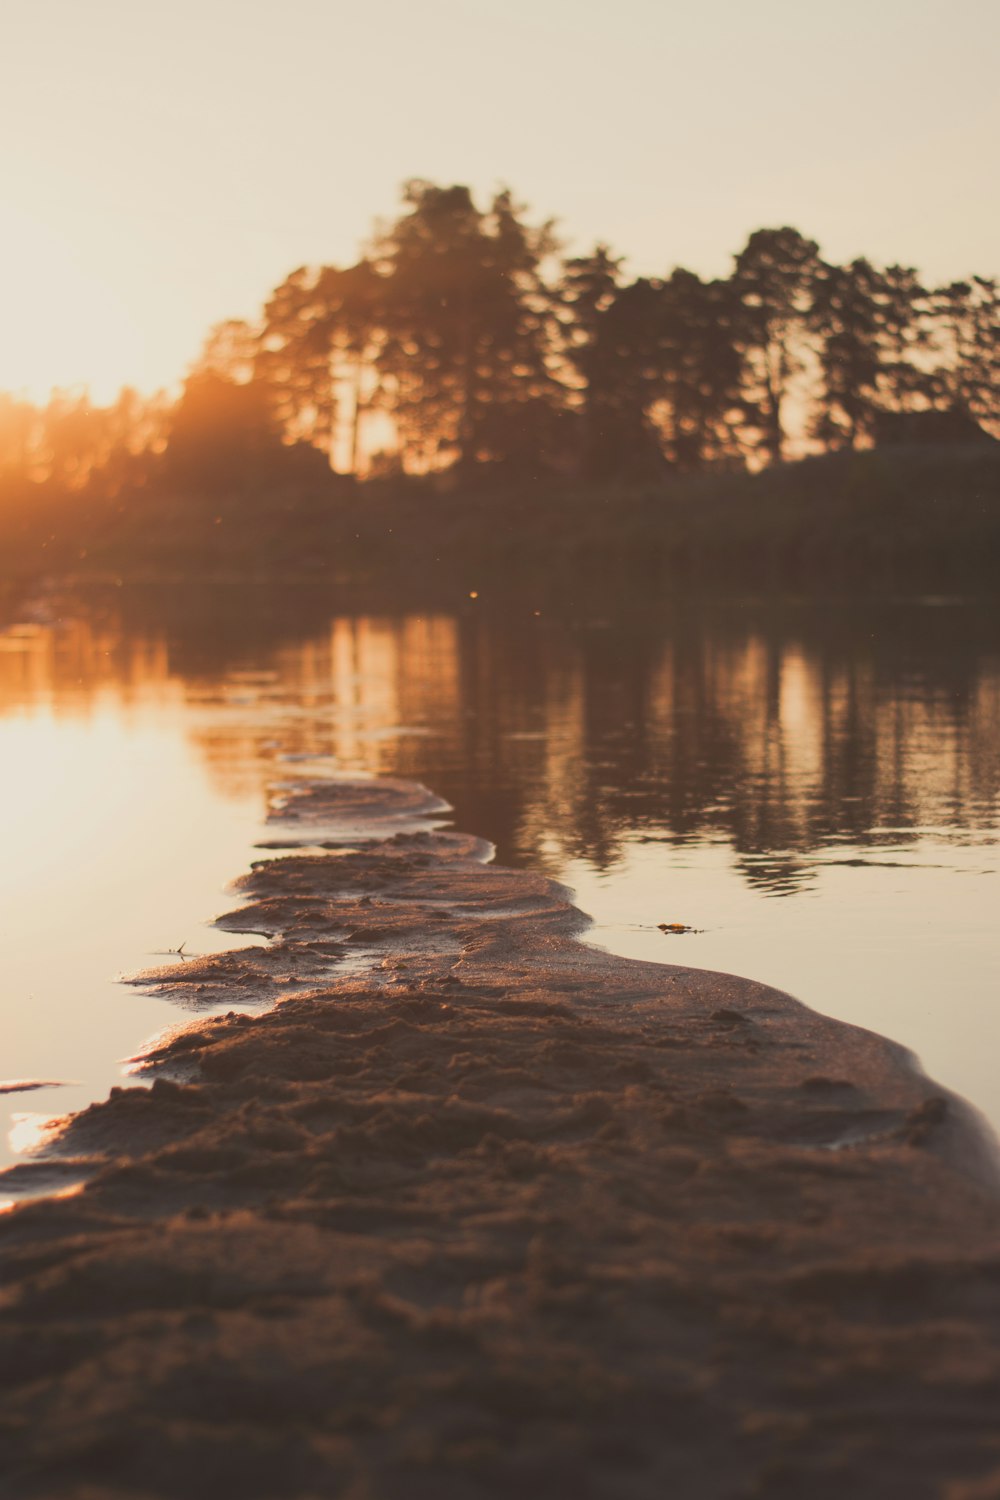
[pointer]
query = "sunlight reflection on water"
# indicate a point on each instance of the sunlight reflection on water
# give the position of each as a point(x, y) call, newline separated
point(817, 796)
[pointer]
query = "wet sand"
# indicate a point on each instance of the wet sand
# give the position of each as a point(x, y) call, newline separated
point(477, 1210)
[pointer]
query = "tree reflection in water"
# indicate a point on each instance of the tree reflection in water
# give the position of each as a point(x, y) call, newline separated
point(780, 732)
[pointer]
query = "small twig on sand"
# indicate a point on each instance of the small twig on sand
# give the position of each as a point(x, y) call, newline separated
point(177, 952)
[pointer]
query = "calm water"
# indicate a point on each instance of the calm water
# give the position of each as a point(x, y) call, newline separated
point(816, 790)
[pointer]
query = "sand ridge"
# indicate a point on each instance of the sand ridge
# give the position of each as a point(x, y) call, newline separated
point(478, 1210)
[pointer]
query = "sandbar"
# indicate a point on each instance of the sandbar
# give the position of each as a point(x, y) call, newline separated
point(466, 1207)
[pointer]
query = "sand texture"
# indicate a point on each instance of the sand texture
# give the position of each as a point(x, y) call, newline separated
point(480, 1211)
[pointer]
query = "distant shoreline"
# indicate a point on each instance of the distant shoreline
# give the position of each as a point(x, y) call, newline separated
point(478, 1207)
point(905, 519)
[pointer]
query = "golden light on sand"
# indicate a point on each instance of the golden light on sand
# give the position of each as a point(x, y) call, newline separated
point(62, 322)
point(30, 1132)
point(71, 1191)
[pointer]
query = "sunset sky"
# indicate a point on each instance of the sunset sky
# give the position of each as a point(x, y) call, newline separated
point(165, 165)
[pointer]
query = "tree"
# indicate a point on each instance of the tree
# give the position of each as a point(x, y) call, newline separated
point(624, 368)
point(967, 318)
point(231, 350)
point(905, 380)
point(774, 278)
point(72, 439)
point(702, 366)
point(465, 361)
point(321, 332)
point(586, 291)
point(846, 315)
point(659, 368)
point(19, 425)
point(222, 434)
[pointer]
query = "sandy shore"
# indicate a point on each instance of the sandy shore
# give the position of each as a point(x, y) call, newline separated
point(479, 1211)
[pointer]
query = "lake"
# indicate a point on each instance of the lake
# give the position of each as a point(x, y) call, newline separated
point(814, 789)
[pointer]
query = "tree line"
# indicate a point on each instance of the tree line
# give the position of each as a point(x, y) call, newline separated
point(462, 341)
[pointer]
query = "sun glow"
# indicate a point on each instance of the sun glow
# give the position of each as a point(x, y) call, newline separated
point(62, 323)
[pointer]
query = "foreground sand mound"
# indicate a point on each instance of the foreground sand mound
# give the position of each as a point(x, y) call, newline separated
point(495, 1214)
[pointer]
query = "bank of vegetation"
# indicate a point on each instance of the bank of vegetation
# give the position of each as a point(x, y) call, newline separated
point(467, 403)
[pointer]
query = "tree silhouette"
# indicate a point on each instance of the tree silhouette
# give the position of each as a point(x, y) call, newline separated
point(468, 326)
point(846, 316)
point(905, 377)
point(702, 363)
point(317, 349)
point(221, 434)
point(19, 421)
point(967, 317)
point(774, 277)
point(231, 350)
point(585, 293)
point(456, 343)
point(626, 384)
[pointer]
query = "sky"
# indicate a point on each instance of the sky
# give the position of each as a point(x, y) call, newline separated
point(164, 166)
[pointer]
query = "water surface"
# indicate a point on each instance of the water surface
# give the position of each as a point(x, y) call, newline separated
point(814, 790)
